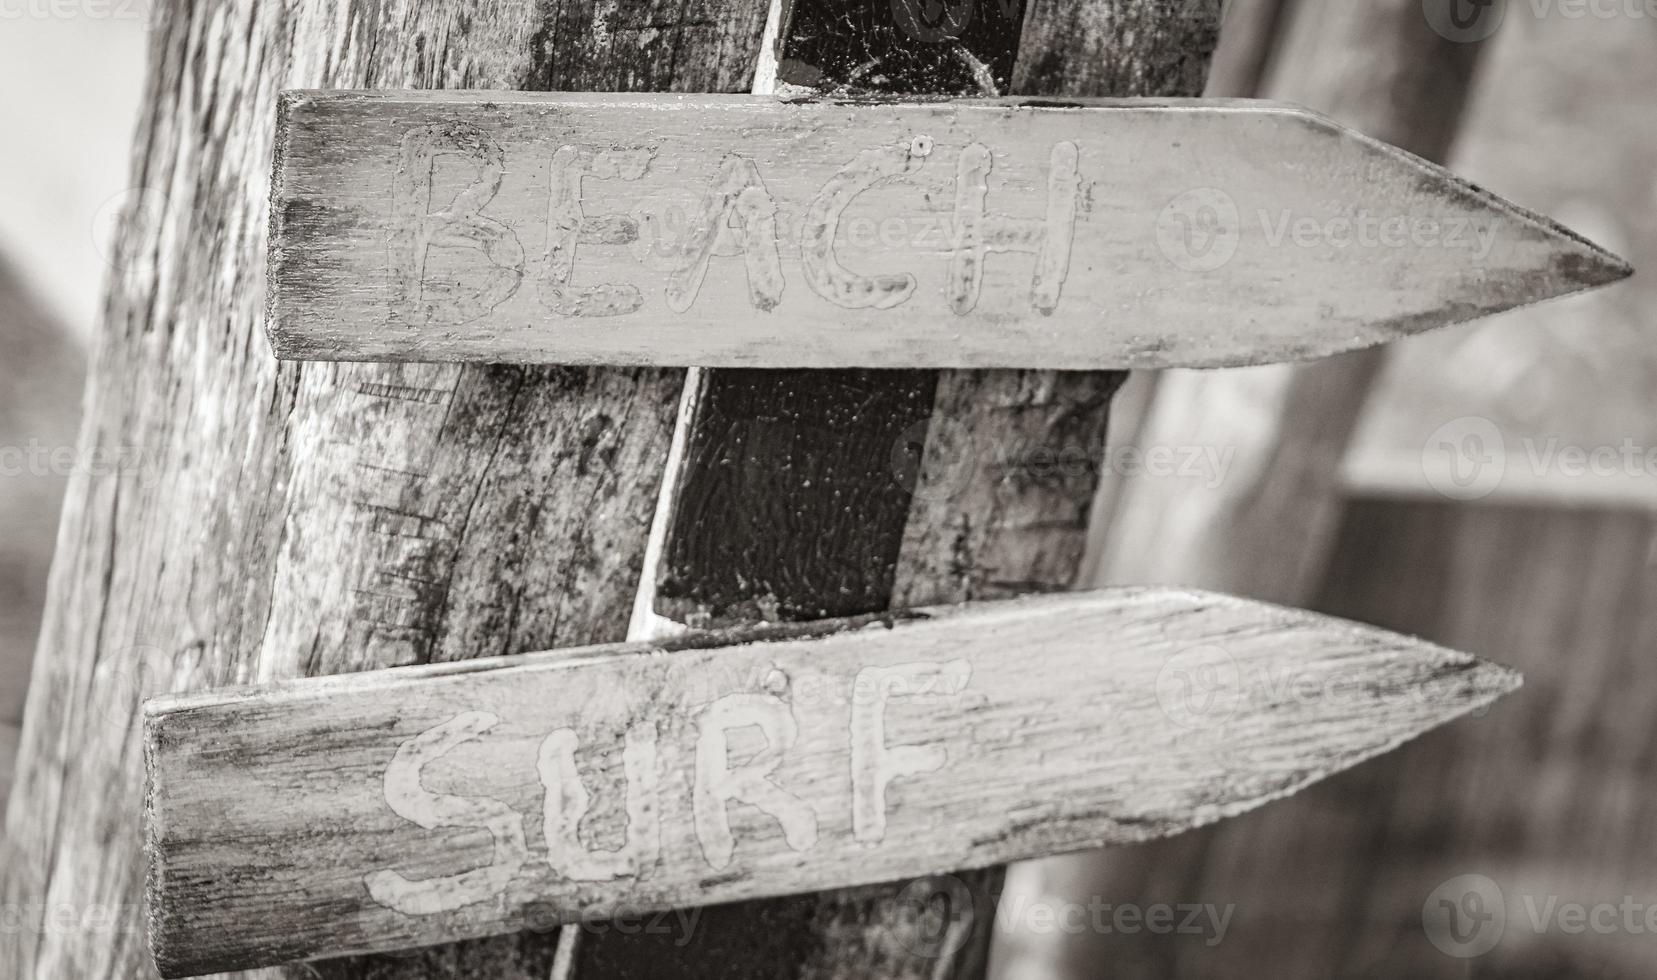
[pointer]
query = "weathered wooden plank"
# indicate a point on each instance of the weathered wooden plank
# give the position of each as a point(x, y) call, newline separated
point(398, 808)
point(1264, 525)
point(319, 519)
point(812, 454)
point(1547, 796)
point(735, 231)
point(982, 523)
point(1286, 427)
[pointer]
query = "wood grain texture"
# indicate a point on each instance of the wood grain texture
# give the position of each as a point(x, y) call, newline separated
point(828, 458)
point(1266, 524)
point(984, 522)
point(329, 518)
point(344, 813)
point(726, 231)
point(1547, 797)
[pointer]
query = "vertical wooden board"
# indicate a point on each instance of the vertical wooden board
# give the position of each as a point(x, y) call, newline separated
point(315, 519)
point(745, 541)
point(973, 529)
point(840, 504)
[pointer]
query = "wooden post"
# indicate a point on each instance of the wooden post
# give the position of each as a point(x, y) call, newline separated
point(791, 499)
point(320, 518)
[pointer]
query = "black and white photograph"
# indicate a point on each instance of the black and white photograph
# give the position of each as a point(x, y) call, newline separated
point(828, 489)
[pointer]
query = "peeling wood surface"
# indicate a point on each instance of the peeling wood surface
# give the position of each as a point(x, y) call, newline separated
point(319, 519)
point(734, 231)
point(344, 814)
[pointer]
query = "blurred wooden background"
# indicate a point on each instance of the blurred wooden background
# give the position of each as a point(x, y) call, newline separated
point(1528, 564)
point(1549, 572)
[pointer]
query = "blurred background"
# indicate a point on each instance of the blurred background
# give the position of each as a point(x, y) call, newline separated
point(1488, 487)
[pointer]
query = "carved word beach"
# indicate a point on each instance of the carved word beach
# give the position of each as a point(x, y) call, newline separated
point(733, 231)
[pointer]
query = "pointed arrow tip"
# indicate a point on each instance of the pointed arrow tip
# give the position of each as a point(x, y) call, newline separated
point(1589, 264)
point(1492, 681)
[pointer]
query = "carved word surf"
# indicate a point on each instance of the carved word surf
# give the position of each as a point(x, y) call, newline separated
point(737, 218)
point(717, 783)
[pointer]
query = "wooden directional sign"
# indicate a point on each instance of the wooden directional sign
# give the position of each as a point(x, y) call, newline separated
point(391, 809)
point(738, 231)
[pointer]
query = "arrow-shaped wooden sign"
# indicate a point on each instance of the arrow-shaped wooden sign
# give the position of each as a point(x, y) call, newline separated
point(384, 810)
point(738, 231)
